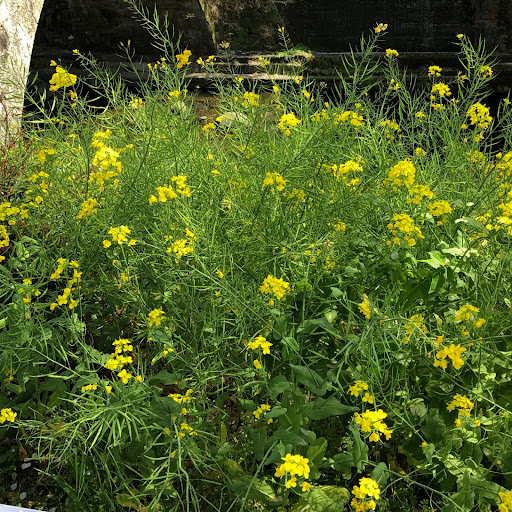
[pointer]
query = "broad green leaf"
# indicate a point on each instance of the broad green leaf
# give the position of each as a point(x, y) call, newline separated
point(317, 450)
point(310, 379)
point(319, 409)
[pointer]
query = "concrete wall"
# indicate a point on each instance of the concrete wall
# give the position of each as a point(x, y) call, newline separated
point(18, 25)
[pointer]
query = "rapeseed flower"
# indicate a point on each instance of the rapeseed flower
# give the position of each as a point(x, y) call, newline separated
point(274, 178)
point(506, 501)
point(452, 352)
point(462, 403)
point(89, 387)
point(402, 174)
point(61, 78)
point(183, 58)
point(261, 410)
point(7, 415)
point(402, 224)
point(275, 286)
point(434, 71)
point(365, 308)
point(372, 423)
point(293, 465)
point(288, 121)
point(391, 53)
point(155, 317)
point(260, 342)
point(365, 495)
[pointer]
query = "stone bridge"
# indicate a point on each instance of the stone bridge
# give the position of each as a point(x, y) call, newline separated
point(34, 31)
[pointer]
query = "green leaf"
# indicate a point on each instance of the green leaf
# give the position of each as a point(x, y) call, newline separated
point(259, 439)
point(278, 385)
point(317, 450)
point(255, 489)
point(319, 409)
point(380, 474)
point(310, 379)
point(327, 498)
point(289, 437)
point(276, 412)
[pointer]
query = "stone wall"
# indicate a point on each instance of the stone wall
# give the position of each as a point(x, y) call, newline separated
point(414, 25)
point(18, 24)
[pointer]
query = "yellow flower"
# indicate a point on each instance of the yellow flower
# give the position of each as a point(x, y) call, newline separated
point(61, 78)
point(391, 53)
point(274, 286)
point(108, 389)
point(381, 27)
point(306, 487)
point(364, 307)
point(7, 415)
point(124, 376)
point(89, 387)
point(288, 121)
point(434, 71)
point(257, 364)
point(155, 317)
point(183, 58)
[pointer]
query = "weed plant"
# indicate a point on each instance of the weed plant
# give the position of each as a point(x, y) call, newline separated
point(300, 305)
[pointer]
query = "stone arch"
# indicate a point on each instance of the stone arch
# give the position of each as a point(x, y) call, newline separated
point(91, 25)
point(18, 26)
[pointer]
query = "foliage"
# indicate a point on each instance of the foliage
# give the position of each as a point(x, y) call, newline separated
point(300, 305)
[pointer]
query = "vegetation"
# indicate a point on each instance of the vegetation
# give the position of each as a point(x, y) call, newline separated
point(302, 305)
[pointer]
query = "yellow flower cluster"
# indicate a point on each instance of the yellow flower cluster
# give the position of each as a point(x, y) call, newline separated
point(88, 207)
point(251, 99)
point(434, 71)
point(480, 118)
point(372, 422)
point(275, 286)
point(440, 209)
point(391, 53)
point(391, 128)
point(358, 387)
point(462, 403)
point(365, 308)
point(506, 501)
point(353, 118)
point(89, 387)
point(183, 58)
point(441, 90)
point(168, 192)
point(293, 466)
point(185, 429)
point(260, 342)
point(182, 246)
point(119, 234)
point(28, 289)
point(155, 317)
point(288, 121)
point(381, 27)
point(367, 488)
point(61, 78)
point(486, 71)
point(469, 313)
point(104, 158)
point(274, 178)
point(7, 415)
point(418, 192)
point(404, 224)
point(414, 326)
point(72, 284)
point(402, 174)
point(118, 358)
point(262, 409)
point(452, 352)
point(182, 399)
